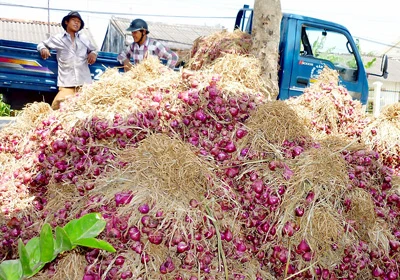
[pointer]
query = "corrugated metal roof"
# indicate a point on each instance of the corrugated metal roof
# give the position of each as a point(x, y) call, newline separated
point(32, 31)
point(176, 36)
point(394, 50)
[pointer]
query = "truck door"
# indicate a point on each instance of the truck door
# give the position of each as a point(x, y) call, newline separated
point(320, 46)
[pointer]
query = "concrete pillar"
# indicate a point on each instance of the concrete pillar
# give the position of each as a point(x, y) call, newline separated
point(377, 98)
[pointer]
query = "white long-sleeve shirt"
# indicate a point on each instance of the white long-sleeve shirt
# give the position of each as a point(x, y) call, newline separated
point(73, 68)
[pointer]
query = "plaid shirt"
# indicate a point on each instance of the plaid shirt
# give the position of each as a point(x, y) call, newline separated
point(150, 47)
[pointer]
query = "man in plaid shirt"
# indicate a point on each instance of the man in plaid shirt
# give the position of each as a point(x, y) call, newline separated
point(143, 46)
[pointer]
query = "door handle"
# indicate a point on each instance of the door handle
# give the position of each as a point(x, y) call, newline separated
point(302, 81)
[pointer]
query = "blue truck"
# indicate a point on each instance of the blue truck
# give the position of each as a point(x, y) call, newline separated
point(306, 46)
point(25, 77)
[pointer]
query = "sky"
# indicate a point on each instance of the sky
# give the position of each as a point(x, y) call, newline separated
point(375, 23)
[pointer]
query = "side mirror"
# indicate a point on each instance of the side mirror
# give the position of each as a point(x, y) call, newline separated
point(243, 22)
point(384, 66)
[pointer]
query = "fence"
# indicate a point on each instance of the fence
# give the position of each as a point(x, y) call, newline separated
point(379, 98)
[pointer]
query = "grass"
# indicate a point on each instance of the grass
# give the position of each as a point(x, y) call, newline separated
point(5, 109)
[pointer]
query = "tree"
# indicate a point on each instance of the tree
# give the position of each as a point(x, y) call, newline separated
point(265, 35)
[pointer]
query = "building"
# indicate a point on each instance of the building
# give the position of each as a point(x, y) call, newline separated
point(179, 38)
point(393, 51)
point(33, 31)
point(389, 88)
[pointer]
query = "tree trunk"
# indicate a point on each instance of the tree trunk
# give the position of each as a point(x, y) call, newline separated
point(265, 35)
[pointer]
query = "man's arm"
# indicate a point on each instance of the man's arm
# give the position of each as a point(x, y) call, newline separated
point(124, 58)
point(168, 54)
point(91, 50)
point(124, 55)
point(92, 54)
point(44, 46)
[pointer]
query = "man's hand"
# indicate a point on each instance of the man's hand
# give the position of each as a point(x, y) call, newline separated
point(45, 53)
point(127, 65)
point(187, 74)
point(92, 58)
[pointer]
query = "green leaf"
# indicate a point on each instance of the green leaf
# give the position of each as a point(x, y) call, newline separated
point(46, 244)
point(41, 250)
point(33, 249)
point(24, 258)
point(87, 226)
point(62, 240)
point(11, 270)
point(95, 243)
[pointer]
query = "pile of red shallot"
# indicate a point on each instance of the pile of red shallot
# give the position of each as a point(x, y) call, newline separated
point(207, 49)
point(382, 135)
point(192, 189)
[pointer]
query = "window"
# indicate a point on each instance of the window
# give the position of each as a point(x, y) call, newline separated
point(330, 46)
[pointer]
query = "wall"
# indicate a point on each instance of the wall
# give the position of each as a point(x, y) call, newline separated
point(113, 40)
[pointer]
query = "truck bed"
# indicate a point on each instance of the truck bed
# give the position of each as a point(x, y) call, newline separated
point(25, 77)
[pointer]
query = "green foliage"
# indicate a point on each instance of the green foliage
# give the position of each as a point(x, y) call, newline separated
point(46, 244)
point(44, 249)
point(5, 109)
point(33, 249)
point(63, 242)
point(370, 63)
point(11, 270)
point(89, 227)
point(24, 258)
point(95, 243)
point(328, 54)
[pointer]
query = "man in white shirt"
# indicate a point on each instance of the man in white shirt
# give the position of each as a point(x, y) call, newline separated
point(75, 53)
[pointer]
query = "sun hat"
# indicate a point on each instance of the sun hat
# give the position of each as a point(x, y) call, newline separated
point(70, 15)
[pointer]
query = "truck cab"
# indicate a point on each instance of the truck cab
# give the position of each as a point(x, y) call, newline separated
point(306, 46)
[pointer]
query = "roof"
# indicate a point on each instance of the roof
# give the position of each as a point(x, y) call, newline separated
point(176, 36)
point(394, 50)
point(32, 31)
